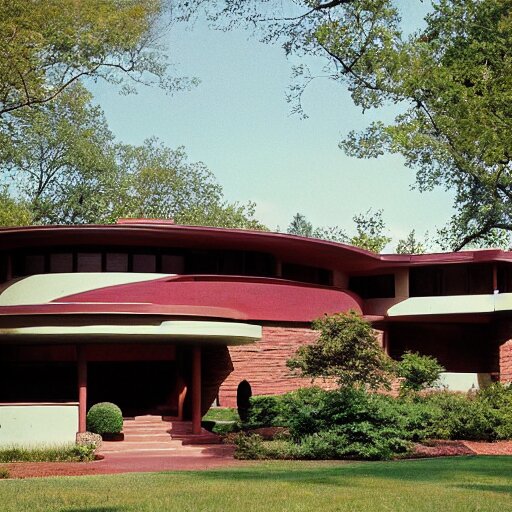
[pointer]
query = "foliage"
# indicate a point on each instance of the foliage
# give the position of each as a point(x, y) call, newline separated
point(63, 161)
point(47, 46)
point(300, 226)
point(450, 77)
point(13, 212)
point(485, 416)
point(105, 418)
point(370, 231)
point(410, 245)
point(369, 235)
point(264, 411)
point(353, 423)
point(418, 371)
point(74, 453)
point(55, 152)
point(346, 350)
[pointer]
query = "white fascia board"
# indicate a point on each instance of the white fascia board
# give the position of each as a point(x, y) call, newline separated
point(227, 333)
point(451, 304)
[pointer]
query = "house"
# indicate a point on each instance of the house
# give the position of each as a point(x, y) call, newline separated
point(166, 319)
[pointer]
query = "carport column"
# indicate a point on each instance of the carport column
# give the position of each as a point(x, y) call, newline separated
point(196, 390)
point(82, 389)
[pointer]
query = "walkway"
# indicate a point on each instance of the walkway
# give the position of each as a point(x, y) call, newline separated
point(151, 444)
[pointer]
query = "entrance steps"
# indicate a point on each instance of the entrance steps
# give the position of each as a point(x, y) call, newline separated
point(157, 433)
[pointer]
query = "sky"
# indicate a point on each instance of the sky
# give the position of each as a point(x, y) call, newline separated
point(238, 122)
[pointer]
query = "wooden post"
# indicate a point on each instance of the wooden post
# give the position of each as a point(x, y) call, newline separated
point(82, 389)
point(495, 288)
point(196, 390)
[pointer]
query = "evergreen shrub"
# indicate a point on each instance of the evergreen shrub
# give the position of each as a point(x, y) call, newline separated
point(105, 418)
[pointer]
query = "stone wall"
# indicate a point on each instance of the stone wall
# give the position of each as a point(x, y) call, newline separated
point(263, 364)
point(506, 361)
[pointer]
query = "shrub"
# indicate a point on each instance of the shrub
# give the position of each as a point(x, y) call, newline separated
point(417, 371)
point(253, 447)
point(4, 473)
point(264, 411)
point(347, 350)
point(74, 453)
point(105, 418)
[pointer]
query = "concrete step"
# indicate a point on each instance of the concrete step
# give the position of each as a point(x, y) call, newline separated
point(153, 426)
point(154, 438)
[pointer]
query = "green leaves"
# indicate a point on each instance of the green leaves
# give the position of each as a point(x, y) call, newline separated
point(47, 45)
point(346, 350)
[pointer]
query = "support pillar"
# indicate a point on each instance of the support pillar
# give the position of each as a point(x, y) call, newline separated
point(196, 390)
point(82, 389)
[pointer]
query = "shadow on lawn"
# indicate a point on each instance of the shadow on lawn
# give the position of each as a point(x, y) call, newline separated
point(94, 509)
point(504, 489)
point(447, 470)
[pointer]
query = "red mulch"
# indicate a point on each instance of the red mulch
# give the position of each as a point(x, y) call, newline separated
point(442, 449)
point(213, 456)
point(189, 459)
point(483, 448)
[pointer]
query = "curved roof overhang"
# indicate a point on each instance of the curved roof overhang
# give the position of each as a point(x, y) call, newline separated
point(175, 331)
point(222, 297)
point(294, 249)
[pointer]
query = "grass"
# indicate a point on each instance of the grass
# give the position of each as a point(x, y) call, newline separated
point(221, 414)
point(70, 453)
point(451, 484)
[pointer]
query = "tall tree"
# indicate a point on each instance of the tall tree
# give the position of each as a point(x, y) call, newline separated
point(47, 45)
point(63, 162)
point(300, 226)
point(410, 245)
point(52, 149)
point(450, 77)
point(369, 231)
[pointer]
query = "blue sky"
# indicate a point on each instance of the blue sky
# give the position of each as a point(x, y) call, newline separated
point(237, 121)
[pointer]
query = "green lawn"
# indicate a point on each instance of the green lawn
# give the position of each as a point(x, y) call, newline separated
point(449, 484)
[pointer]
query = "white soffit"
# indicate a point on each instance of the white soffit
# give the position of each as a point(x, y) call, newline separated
point(227, 333)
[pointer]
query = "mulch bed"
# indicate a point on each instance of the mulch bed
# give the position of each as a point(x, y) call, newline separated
point(216, 456)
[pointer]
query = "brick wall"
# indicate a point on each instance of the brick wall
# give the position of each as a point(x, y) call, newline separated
point(263, 364)
point(506, 361)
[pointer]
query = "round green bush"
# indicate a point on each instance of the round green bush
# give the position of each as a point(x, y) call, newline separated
point(105, 418)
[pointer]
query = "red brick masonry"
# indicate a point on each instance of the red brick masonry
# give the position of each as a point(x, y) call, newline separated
point(263, 364)
point(506, 362)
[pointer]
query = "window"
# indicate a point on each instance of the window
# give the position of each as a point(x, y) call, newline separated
point(450, 280)
point(373, 287)
point(306, 274)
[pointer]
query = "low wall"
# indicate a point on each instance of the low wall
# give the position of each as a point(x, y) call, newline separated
point(38, 424)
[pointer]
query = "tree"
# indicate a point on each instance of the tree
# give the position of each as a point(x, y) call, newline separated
point(53, 150)
point(450, 79)
point(369, 234)
point(300, 226)
point(48, 45)
point(66, 166)
point(370, 229)
point(347, 350)
point(159, 182)
point(13, 212)
point(410, 245)
point(418, 371)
